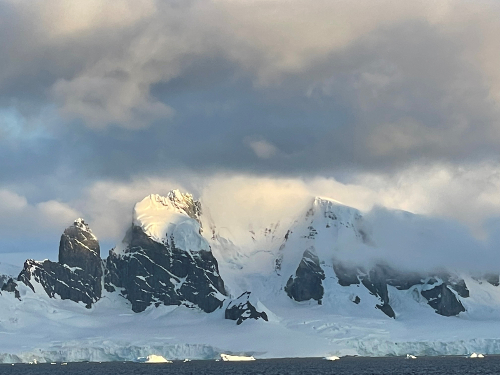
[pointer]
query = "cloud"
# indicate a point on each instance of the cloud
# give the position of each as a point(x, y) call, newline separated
point(262, 148)
point(61, 19)
point(108, 205)
point(421, 243)
point(238, 204)
point(102, 101)
point(22, 220)
point(457, 211)
point(450, 230)
point(394, 103)
point(100, 61)
point(326, 86)
point(464, 195)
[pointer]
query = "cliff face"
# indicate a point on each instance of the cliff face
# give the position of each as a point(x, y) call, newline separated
point(166, 260)
point(306, 283)
point(78, 274)
point(149, 273)
point(80, 248)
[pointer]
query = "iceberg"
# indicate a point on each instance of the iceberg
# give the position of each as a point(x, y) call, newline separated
point(235, 358)
point(476, 355)
point(153, 358)
point(332, 358)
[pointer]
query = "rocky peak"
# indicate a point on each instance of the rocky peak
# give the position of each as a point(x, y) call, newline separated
point(78, 274)
point(174, 217)
point(180, 271)
point(80, 224)
point(165, 259)
point(175, 201)
point(79, 247)
point(185, 202)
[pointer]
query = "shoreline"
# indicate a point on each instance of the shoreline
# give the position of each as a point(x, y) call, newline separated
point(278, 359)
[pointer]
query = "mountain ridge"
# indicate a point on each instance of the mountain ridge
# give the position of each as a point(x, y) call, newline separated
point(168, 229)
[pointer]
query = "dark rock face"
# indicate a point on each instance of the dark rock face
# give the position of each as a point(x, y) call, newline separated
point(4, 279)
point(443, 300)
point(387, 310)
point(346, 275)
point(376, 283)
point(78, 274)
point(56, 278)
point(402, 280)
point(493, 279)
point(11, 287)
point(458, 285)
point(441, 297)
point(242, 309)
point(150, 272)
point(79, 248)
point(307, 283)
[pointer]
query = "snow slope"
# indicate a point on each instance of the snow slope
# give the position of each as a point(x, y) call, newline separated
point(175, 214)
point(51, 330)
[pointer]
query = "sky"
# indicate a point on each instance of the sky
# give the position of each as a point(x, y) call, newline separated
point(258, 104)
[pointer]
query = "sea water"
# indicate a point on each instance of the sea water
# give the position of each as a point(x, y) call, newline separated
point(303, 366)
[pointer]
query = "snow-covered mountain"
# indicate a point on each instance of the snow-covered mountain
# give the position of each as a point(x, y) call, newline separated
point(164, 259)
point(309, 285)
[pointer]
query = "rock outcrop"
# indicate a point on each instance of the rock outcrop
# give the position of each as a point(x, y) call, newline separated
point(11, 287)
point(165, 260)
point(78, 274)
point(149, 273)
point(376, 282)
point(307, 283)
point(80, 248)
point(440, 289)
point(244, 308)
point(493, 279)
point(443, 300)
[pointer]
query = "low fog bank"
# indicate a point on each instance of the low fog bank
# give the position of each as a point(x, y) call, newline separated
point(419, 243)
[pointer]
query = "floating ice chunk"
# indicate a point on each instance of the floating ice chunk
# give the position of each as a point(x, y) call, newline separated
point(233, 358)
point(332, 358)
point(476, 355)
point(153, 358)
point(410, 356)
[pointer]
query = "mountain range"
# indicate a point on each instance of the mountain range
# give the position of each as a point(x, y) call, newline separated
point(315, 284)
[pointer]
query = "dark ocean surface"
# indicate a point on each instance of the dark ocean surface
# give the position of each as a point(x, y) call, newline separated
point(344, 366)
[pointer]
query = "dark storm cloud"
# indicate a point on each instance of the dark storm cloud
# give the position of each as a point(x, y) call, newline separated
point(212, 86)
